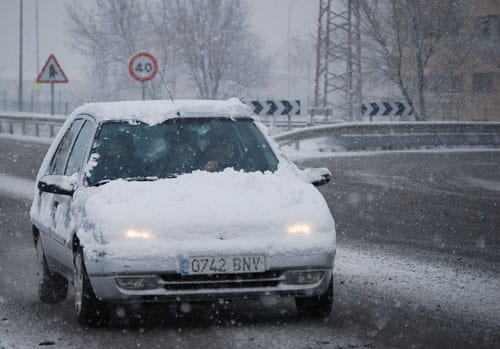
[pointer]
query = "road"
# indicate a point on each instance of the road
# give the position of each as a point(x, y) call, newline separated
point(418, 264)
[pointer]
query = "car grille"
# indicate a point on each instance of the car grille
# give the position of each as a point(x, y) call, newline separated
point(178, 282)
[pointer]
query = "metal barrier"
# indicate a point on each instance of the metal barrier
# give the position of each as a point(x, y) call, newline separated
point(398, 135)
point(30, 124)
point(347, 136)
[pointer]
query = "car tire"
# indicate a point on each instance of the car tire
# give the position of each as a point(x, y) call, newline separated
point(52, 288)
point(89, 310)
point(316, 307)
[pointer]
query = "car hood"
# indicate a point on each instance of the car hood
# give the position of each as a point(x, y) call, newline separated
point(201, 208)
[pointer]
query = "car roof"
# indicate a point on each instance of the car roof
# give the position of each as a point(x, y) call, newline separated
point(157, 111)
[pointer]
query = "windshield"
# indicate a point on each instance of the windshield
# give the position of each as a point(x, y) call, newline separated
point(135, 150)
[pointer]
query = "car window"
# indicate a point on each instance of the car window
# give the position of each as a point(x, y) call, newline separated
point(59, 160)
point(179, 146)
point(79, 149)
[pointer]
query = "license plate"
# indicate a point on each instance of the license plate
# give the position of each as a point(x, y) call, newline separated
point(223, 265)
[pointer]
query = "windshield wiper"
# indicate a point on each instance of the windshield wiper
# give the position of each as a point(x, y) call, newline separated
point(133, 179)
point(141, 179)
point(101, 182)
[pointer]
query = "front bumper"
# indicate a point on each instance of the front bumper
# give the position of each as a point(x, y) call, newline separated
point(171, 286)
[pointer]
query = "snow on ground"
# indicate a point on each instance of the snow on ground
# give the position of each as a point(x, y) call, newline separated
point(24, 114)
point(24, 138)
point(316, 149)
point(424, 280)
point(17, 187)
point(420, 283)
point(483, 183)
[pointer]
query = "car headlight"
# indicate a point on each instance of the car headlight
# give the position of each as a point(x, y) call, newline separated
point(299, 229)
point(138, 234)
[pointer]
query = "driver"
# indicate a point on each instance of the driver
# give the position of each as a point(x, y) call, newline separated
point(219, 157)
point(184, 154)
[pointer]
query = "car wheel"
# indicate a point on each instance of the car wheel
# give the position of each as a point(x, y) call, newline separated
point(316, 307)
point(89, 310)
point(52, 288)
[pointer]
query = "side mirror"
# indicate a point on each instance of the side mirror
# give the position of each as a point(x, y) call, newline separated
point(56, 184)
point(317, 176)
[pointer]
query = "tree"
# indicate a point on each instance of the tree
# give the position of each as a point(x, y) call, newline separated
point(108, 33)
point(217, 47)
point(205, 43)
point(411, 39)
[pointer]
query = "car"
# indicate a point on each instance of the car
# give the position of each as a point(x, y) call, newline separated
point(178, 201)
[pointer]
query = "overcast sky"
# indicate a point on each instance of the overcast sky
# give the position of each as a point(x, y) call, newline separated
point(269, 20)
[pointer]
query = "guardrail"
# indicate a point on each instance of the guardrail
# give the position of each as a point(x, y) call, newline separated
point(397, 135)
point(30, 124)
point(345, 136)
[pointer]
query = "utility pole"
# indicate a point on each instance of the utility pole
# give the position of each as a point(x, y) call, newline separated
point(319, 46)
point(20, 91)
point(37, 53)
point(338, 65)
point(37, 38)
point(358, 92)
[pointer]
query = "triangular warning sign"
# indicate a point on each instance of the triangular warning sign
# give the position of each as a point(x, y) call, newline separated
point(51, 72)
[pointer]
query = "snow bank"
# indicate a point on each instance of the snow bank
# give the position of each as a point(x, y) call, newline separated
point(424, 279)
point(16, 187)
point(25, 138)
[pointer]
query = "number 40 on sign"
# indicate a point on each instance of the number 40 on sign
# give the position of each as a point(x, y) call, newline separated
point(143, 67)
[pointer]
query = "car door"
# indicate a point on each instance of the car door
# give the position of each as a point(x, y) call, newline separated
point(48, 204)
point(62, 233)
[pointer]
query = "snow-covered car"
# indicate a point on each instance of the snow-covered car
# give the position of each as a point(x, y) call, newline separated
point(160, 201)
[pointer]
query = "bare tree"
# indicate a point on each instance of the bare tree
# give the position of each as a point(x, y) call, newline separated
point(109, 33)
point(205, 43)
point(409, 39)
point(220, 53)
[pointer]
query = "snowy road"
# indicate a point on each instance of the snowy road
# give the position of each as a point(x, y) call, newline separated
point(418, 264)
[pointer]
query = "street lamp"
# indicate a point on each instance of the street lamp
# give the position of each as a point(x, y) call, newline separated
point(20, 85)
point(289, 49)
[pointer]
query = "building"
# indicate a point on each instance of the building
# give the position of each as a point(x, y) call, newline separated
point(472, 92)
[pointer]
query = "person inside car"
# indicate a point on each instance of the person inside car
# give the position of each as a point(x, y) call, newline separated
point(184, 154)
point(117, 160)
point(219, 156)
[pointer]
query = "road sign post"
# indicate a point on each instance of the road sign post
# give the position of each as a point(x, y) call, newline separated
point(51, 99)
point(52, 73)
point(143, 67)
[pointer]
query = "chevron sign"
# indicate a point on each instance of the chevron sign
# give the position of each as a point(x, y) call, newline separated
point(386, 109)
point(275, 107)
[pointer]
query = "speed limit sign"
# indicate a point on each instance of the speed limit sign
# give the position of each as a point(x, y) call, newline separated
point(143, 66)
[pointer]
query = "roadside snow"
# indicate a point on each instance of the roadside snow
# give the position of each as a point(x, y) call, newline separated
point(424, 280)
point(483, 183)
point(16, 186)
point(312, 152)
point(23, 138)
point(447, 290)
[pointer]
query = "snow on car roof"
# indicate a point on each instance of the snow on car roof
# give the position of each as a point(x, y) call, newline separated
point(157, 111)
